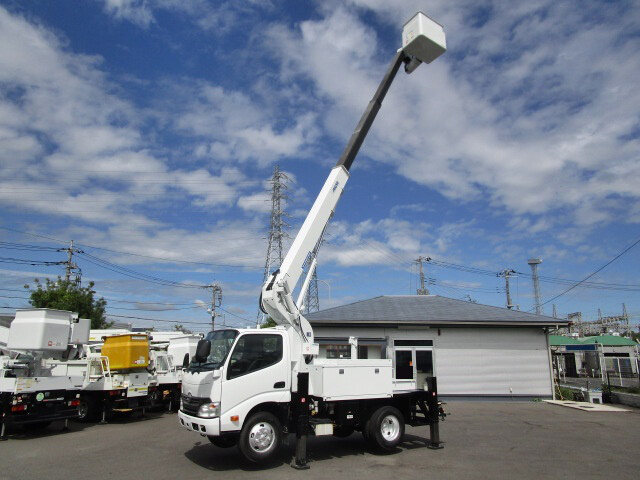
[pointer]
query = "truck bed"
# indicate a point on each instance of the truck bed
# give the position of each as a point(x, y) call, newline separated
point(346, 379)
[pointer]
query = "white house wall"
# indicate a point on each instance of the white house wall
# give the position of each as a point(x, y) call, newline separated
point(482, 361)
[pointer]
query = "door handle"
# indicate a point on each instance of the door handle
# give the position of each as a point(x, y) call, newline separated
point(278, 385)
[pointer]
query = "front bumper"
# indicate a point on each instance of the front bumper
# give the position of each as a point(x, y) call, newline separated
point(203, 426)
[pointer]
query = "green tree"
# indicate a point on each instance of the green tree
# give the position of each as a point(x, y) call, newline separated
point(268, 323)
point(68, 295)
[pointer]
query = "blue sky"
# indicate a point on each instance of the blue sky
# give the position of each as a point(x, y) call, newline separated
point(152, 127)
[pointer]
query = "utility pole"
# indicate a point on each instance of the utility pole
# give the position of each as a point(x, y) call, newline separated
point(533, 263)
point(276, 224)
point(216, 301)
point(507, 274)
point(555, 312)
point(423, 289)
point(70, 266)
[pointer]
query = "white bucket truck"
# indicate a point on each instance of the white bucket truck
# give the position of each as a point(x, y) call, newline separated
point(36, 387)
point(169, 354)
point(114, 373)
point(251, 387)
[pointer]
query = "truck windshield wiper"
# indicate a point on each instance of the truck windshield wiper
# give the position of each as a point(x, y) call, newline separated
point(204, 366)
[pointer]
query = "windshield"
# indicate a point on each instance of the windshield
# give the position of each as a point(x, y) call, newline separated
point(161, 364)
point(221, 342)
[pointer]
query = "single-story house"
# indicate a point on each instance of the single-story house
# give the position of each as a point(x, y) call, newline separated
point(474, 350)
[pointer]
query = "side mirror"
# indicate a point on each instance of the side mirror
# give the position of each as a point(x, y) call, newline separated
point(185, 360)
point(202, 351)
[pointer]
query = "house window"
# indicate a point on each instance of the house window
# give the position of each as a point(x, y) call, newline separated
point(363, 351)
point(338, 351)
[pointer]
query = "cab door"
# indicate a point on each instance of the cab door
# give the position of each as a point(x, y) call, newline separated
point(256, 371)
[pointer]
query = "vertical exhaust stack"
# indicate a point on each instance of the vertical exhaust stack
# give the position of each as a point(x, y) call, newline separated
point(533, 263)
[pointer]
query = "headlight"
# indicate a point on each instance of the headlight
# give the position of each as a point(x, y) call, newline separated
point(209, 410)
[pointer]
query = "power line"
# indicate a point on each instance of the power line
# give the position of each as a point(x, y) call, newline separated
point(156, 319)
point(164, 259)
point(237, 316)
point(134, 274)
point(153, 309)
point(24, 261)
point(595, 272)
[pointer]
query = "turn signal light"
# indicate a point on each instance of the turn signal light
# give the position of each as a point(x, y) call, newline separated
point(234, 418)
point(18, 408)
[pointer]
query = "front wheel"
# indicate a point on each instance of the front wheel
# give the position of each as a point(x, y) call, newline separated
point(260, 438)
point(385, 428)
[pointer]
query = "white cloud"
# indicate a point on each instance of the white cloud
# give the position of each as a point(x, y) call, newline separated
point(135, 11)
point(552, 133)
point(71, 147)
point(232, 126)
point(257, 202)
point(237, 243)
point(216, 17)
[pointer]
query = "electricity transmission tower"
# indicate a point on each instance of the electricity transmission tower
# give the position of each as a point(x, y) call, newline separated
point(276, 226)
point(312, 302)
point(423, 289)
point(70, 265)
point(507, 274)
point(216, 301)
point(533, 263)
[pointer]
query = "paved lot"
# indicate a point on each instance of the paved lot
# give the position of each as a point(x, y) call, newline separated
point(484, 440)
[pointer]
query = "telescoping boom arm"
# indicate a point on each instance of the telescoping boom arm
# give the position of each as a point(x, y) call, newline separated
point(423, 41)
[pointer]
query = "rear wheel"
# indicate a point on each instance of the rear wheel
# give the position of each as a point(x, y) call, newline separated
point(260, 438)
point(156, 398)
point(385, 428)
point(87, 410)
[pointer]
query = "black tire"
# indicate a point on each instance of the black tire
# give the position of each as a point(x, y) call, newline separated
point(385, 428)
point(260, 438)
point(226, 441)
point(87, 410)
point(156, 399)
point(342, 432)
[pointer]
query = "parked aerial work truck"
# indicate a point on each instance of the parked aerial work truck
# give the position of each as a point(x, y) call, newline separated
point(170, 353)
point(36, 387)
point(251, 387)
point(115, 376)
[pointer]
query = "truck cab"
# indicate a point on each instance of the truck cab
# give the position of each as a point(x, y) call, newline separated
point(244, 369)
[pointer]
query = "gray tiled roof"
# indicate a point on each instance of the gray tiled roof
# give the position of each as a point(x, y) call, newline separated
point(5, 320)
point(425, 309)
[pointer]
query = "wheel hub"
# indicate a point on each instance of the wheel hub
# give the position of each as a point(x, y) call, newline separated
point(390, 428)
point(261, 437)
